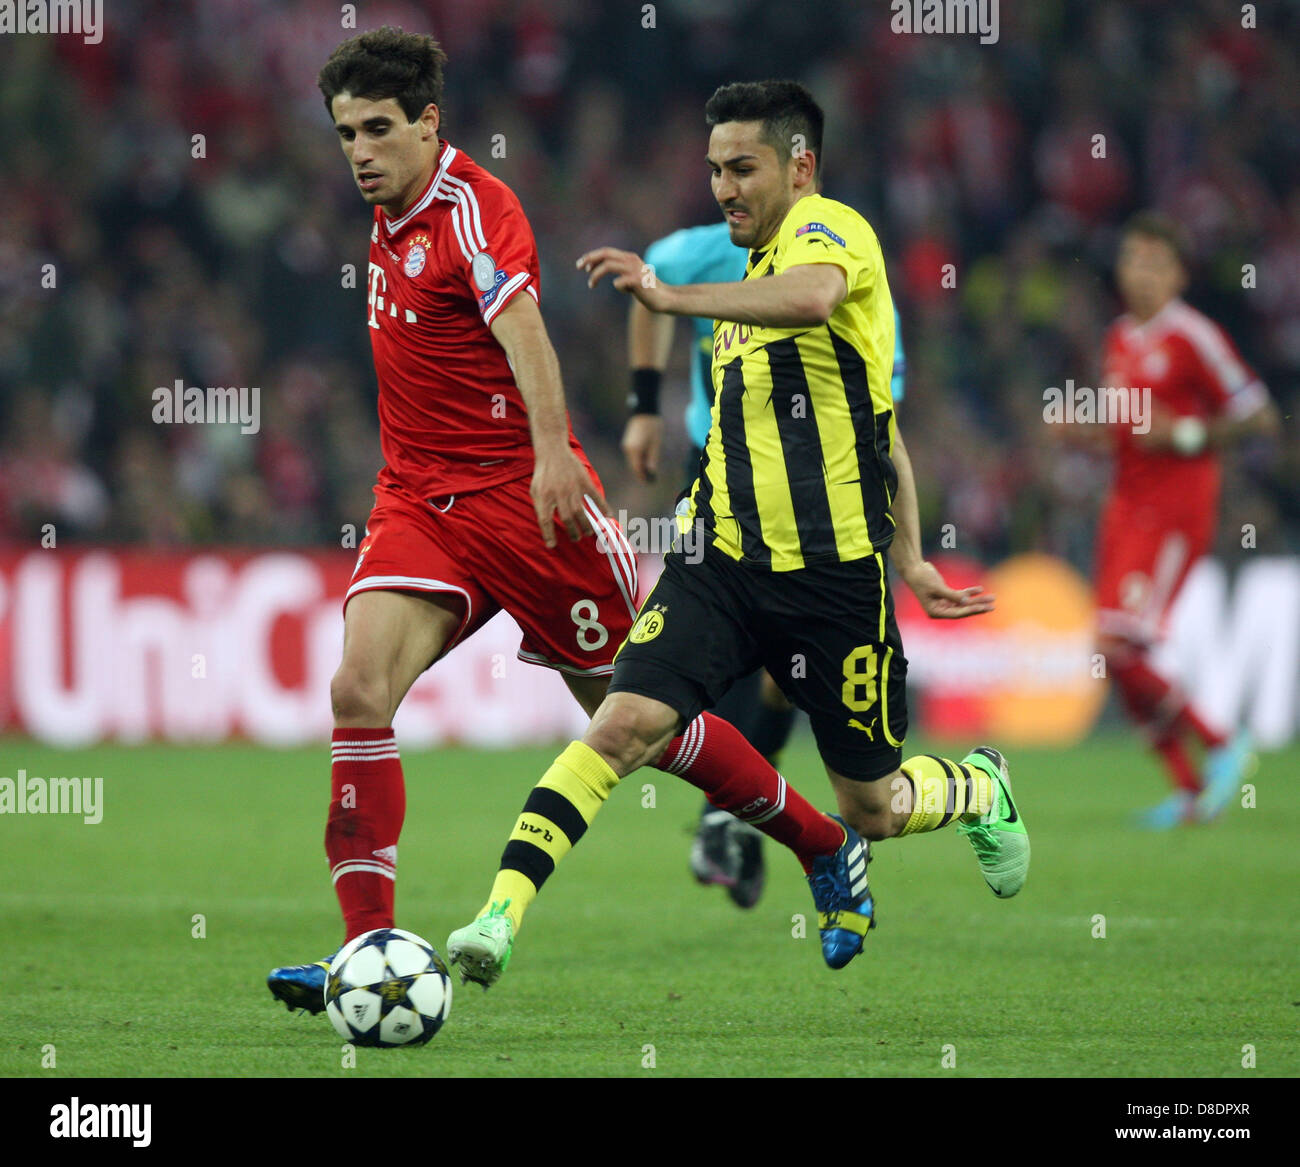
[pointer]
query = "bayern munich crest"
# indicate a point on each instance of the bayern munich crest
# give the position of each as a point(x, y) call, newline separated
point(413, 265)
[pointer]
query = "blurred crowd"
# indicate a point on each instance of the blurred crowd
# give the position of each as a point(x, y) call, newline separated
point(134, 254)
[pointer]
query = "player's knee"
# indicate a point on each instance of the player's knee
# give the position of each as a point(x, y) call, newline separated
point(625, 735)
point(358, 699)
point(1116, 650)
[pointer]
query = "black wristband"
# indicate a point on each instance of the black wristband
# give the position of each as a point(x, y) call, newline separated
point(644, 397)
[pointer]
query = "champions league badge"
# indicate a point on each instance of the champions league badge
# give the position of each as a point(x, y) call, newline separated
point(483, 268)
point(416, 255)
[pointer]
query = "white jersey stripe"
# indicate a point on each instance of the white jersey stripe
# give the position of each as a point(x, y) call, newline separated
point(395, 225)
point(459, 233)
point(1210, 346)
point(536, 658)
point(1170, 560)
point(467, 194)
point(617, 552)
point(508, 289)
point(396, 583)
point(463, 217)
point(625, 552)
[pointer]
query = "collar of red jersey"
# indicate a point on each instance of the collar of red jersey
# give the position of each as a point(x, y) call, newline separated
point(445, 154)
point(1159, 321)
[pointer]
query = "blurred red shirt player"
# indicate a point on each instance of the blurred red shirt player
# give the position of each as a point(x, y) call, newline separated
point(1162, 511)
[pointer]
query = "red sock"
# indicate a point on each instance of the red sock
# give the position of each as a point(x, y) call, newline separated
point(1154, 702)
point(1184, 775)
point(1141, 688)
point(714, 756)
point(1189, 721)
point(367, 806)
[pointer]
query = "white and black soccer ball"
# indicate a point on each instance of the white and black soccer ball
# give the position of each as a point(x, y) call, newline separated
point(386, 988)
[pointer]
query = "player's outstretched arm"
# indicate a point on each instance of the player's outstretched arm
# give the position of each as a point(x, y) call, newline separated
point(1190, 436)
point(803, 296)
point(561, 483)
point(939, 600)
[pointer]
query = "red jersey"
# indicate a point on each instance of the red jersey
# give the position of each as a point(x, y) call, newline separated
point(1192, 370)
point(451, 419)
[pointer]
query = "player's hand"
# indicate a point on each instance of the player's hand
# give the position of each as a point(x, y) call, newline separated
point(629, 273)
point(643, 438)
point(1159, 436)
point(561, 485)
point(939, 600)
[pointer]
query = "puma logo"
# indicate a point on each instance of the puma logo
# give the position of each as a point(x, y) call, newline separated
point(867, 729)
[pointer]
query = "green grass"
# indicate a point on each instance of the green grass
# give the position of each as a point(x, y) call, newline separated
point(623, 951)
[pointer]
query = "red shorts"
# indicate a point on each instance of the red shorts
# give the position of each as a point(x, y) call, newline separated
point(575, 603)
point(1143, 556)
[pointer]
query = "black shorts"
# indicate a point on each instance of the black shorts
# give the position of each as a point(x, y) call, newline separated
point(826, 633)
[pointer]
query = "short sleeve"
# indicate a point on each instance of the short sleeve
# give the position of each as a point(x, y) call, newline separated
point(496, 244)
point(820, 231)
point(1231, 385)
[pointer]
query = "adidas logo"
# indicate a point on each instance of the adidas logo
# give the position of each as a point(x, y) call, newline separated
point(858, 871)
point(387, 854)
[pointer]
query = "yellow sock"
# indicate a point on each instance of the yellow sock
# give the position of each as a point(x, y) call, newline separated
point(944, 791)
point(557, 814)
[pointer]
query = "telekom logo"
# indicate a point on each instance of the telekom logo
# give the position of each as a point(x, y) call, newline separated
point(378, 285)
point(380, 302)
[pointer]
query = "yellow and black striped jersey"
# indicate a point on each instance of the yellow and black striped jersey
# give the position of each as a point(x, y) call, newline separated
point(797, 466)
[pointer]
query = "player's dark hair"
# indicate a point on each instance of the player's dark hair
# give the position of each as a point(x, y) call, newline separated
point(785, 108)
point(1154, 225)
point(386, 62)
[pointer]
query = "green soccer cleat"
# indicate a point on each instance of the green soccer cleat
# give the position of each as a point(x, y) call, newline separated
point(482, 949)
point(999, 837)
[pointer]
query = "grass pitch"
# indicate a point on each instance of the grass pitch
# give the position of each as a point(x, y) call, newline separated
point(139, 946)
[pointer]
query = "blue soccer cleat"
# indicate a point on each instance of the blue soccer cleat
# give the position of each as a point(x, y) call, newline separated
point(845, 910)
point(300, 986)
point(1222, 773)
point(1174, 811)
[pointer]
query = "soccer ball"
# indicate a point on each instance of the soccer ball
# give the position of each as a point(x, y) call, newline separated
point(387, 988)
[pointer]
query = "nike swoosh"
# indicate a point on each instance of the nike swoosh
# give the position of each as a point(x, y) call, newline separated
point(1013, 816)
